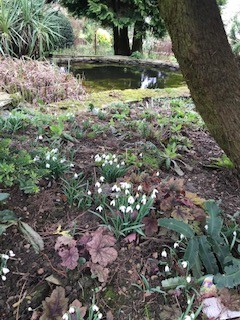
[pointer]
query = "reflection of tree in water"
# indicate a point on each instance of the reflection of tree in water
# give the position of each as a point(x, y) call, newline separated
point(152, 79)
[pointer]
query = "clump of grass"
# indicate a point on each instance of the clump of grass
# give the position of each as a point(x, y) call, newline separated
point(38, 81)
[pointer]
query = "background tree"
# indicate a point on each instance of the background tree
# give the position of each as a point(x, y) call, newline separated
point(119, 15)
point(209, 67)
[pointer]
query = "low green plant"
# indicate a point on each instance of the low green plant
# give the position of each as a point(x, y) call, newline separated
point(211, 249)
point(77, 191)
point(14, 122)
point(146, 287)
point(189, 314)
point(221, 162)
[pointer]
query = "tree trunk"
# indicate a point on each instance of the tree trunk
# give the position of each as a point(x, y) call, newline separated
point(137, 38)
point(121, 41)
point(205, 57)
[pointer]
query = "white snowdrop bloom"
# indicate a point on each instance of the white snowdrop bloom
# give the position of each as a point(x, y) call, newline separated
point(206, 227)
point(107, 157)
point(103, 156)
point(62, 160)
point(144, 200)
point(95, 308)
point(99, 190)
point(138, 206)
point(114, 187)
point(129, 209)
point(137, 195)
point(188, 301)
point(99, 208)
point(122, 163)
point(167, 269)
point(71, 310)
point(188, 279)
point(111, 162)
point(75, 176)
point(157, 174)
point(115, 160)
point(164, 254)
point(102, 179)
point(103, 165)
point(187, 318)
point(153, 195)
point(5, 256)
point(40, 137)
point(234, 233)
point(36, 158)
point(100, 315)
point(72, 165)
point(47, 165)
point(127, 192)
point(182, 236)
point(11, 253)
point(5, 270)
point(140, 155)
point(65, 316)
point(131, 200)
point(48, 156)
point(30, 309)
point(98, 184)
point(175, 245)
point(114, 156)
point(113, 203)
point(184, 264)
point(122, 209)
point(98, 158)
point(89, 193)
point(54, 158)
point(140, 188)
point(118, 166)
point(4, 278)
point(54, 150)
point(192, 315)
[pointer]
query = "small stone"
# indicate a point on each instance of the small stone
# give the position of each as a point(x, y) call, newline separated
point(27, 246)
point(40, 271)
point(24, 208)
point(155, 255)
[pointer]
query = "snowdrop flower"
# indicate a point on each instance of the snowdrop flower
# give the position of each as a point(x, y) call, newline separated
point(184, 264)
point(11, 253)
point(157, 174)
point(107, 157)
point(30, 309)
point(182, 236)
point(234, 233)
point(140, 155)
point(98, 184)
point(116, 188)
point(40, 137)
point(140, 188)
point(48, 156)
point(114, 156)
point(4, 278)
point(110, 162)
point(122, 163)
point(144, 200)
point(122, 208)
point(206, 227)
point(95, 308)
point(36, 158)
point(155, 191)
point(54, 150)
point(100, 315)
point(47, 165)
point(65, 316)
point(75, 176)
point(99, 190)
point(5, 256)
point(187, 318)
point(102, 179)
point(125, 185)
point(113, 203)
point(175, 245)
point(118, 166)
point(131, 200)
point(138, 206)
point(103, 156)
point(127, 192)
point(62, 160)
point(89, 193)
point(115, 160)
point(129, 209)
point(71, 310)
point(5, 270)
point(72, 165)
point(188, 279)
point(99, 208)
point(98, 158)
point(167, 269)
point(103, 165)
point(164, 254)
point(54, 158)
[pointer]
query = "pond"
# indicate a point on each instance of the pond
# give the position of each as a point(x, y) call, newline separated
point(100, 77)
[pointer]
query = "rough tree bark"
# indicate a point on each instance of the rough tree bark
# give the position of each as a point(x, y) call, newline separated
point(121, 41)
point(201, 47)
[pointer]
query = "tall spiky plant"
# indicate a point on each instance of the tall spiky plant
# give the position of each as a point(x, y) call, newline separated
point(27, 27)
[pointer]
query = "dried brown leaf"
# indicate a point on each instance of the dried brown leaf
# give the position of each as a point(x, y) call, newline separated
point(100, 272)
point(150, 225)
point(167, 204)
point(55, 305)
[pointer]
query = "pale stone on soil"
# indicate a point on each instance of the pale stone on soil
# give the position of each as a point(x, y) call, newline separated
point(5, 99)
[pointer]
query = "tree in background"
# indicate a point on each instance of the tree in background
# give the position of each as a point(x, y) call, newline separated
point(30, 28)
point(120, 15)
point(209, 67)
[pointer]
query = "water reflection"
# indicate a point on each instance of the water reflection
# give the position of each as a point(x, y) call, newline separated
point(99, 77)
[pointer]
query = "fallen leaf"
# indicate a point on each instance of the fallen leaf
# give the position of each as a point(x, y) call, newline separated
point(182, 214)
point(53, 279)
point(109, 315)
point(77, 304)
point(63, 241)
point(101, 248)
point(55, 305)
point(150, 225)
point(167, 204)
point(99, 271)
point(195, 199)
point(131, 237)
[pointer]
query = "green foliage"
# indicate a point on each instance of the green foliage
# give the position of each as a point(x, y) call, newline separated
point(65, 30)
point(209, 250)
point(27, 27)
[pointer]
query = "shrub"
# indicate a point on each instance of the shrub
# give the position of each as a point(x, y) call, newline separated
point(38, 81)
point(66, 31)
point(27, 27)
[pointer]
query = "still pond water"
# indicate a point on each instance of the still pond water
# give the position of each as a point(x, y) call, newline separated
point(100, 77)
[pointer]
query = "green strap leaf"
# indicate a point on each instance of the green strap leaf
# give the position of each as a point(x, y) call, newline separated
point(214, 222)
point(178, 226)
point(32, 236)
point(208, 259)
point(4, 196)
point(230, 278)
point(191, 252)
point(7, 215)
